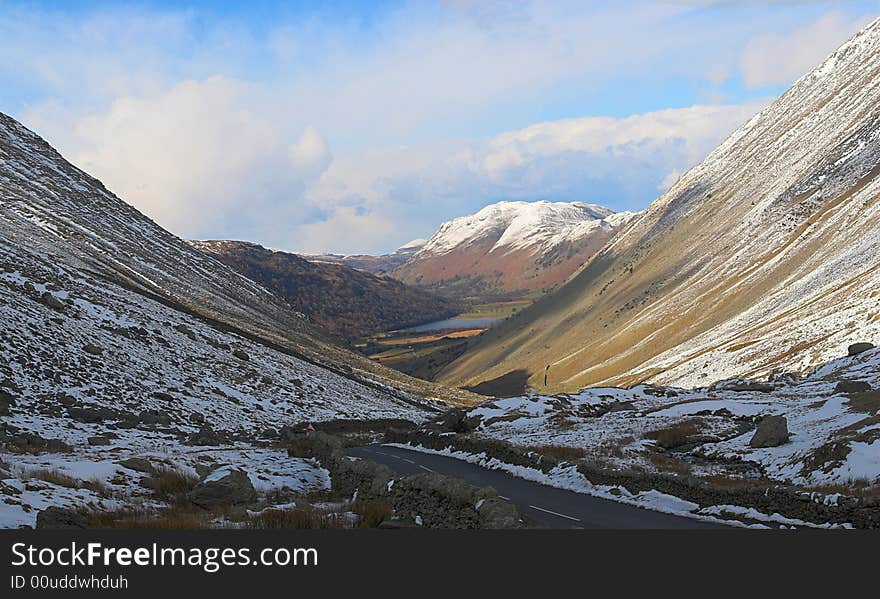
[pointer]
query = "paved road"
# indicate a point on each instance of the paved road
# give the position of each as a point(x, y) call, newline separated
point(547, 506)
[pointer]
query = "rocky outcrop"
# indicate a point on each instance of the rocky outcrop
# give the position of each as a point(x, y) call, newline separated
point(225, 486)
point(858, 348)
point(443, 502)
point(772, 431)
point(57, 518)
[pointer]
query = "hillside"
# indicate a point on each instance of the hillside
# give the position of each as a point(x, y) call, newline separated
point(376, 265)
point(509, 249)
point(347, 302)
point(765, 257)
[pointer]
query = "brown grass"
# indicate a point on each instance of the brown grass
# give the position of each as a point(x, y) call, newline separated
point(664, 463)
point(171, 485)
point(858, 487)
point(372, 513)
point(170, 518)
point(294, 518)
point(675, 435)
point(56, 477)
point(560, 452)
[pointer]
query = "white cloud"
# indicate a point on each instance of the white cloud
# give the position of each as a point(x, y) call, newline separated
point(195, 157)
point(775, 59)
point(317, 135)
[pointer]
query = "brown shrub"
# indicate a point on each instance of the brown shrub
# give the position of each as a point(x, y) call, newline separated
point(171, 485)
point(55, 477)
point(372, 513)
point(675, 435)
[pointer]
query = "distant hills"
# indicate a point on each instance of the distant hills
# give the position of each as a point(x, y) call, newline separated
point(347, 302)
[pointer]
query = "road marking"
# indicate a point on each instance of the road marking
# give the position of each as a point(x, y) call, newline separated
point(504, 498)
point(540, 509)
point(407, 461)
point(426, 468)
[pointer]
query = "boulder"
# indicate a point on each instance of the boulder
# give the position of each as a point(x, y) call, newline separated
point(852, 387)
point(92, 349)
point(241, 355)
point(61, 518)
point(51, 301)
point(772, 431)
point(138, 465)
point(857, 348)
point(222, 487)
point(99, 440)
point(6, 402)
point(197, 418)
point(154, 417)
point(206, 436)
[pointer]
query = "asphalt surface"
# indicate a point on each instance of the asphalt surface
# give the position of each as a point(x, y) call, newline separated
point(542, 505)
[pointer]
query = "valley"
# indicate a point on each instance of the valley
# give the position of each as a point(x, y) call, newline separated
point(708, 362)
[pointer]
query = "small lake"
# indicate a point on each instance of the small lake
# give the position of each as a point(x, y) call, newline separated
point(454, 323)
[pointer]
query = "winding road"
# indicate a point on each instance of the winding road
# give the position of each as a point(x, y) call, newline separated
point(545, 506)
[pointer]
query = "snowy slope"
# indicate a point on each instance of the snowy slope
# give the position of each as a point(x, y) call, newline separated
point(513, 246)
point(514, 225)
point(834, 430)
point(113, 329)
point(764, 257)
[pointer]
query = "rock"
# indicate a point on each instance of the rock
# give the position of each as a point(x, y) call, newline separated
point(182, 328)
point(857, 348)
point(206, 436)
point(99, 440)
point(495, 513)
point(197, 418)
point(852, 387)
point(457, 420)
point(772, 431)
point(92, 349)
point(154, 417)
point(6, 402)
point(57, 518)
point(241, 355)
point(51, 301)
point(225, 486)
point(138, 465)
point(746, 386)
point(621, 406)
point(85, 415)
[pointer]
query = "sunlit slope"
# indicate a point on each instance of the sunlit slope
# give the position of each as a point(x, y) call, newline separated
point(764, 257)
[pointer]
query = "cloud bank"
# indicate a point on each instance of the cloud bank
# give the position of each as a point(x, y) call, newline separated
point(356, 134)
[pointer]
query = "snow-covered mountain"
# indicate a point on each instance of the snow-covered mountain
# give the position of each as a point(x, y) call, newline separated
point(512, 247)
point(376, 265)
point(764, 257)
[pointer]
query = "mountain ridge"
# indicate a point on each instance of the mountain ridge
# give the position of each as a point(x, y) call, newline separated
point(511, 248)
point(760, 258)
point(347, 302)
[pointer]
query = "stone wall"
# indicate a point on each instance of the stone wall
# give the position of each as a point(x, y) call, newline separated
point(861, 512)
point(435, 500)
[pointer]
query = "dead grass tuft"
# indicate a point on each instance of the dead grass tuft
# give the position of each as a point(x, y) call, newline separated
point(676, 435)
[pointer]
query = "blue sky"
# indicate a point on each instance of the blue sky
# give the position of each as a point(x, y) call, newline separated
point(356, 126)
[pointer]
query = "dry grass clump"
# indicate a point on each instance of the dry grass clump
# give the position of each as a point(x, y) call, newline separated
point(665, 463)
point(56, 477)
point(857, 487)
point(676, 435)
point(372, 513)
point(560, 452)
point(294, 518)
point(171, 485)
point(173, 518)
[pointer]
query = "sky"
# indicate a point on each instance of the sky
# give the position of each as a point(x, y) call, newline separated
point(354, 127)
